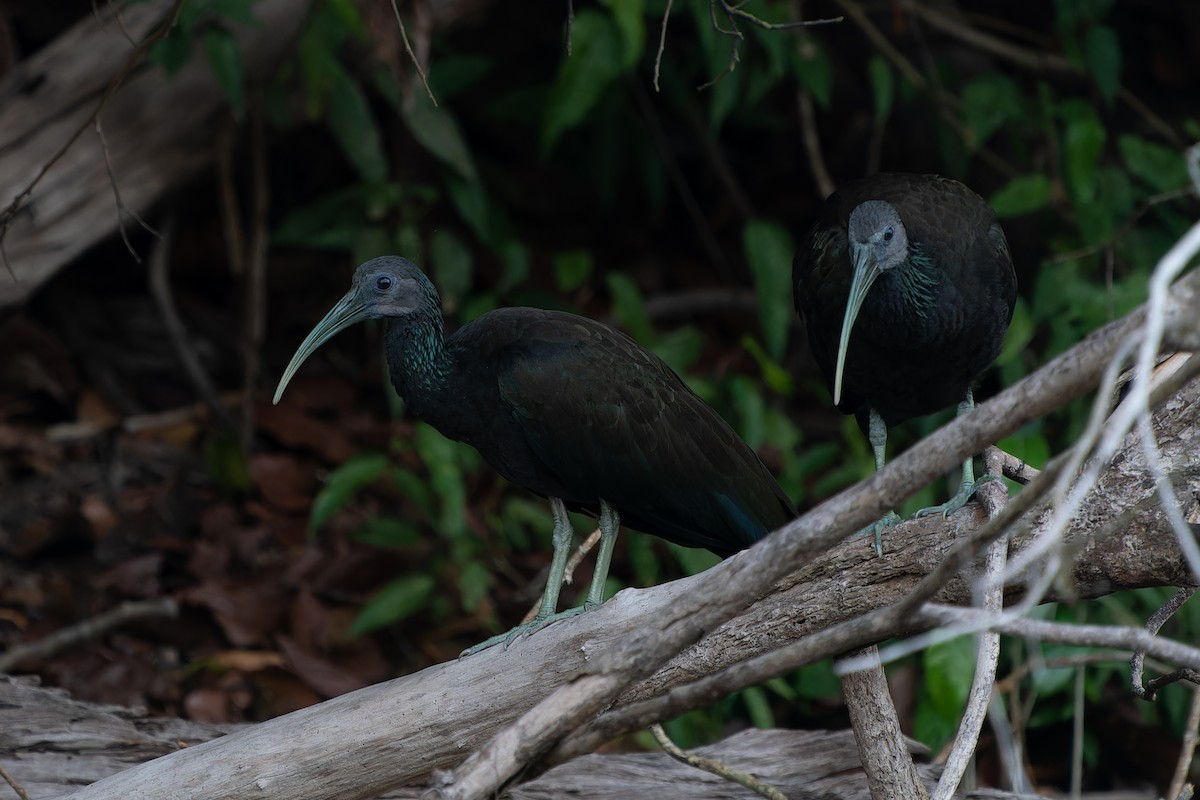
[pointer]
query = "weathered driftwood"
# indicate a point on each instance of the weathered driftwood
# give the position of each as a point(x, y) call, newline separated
point(398, 732)
point(51, 744)
point(159, 130)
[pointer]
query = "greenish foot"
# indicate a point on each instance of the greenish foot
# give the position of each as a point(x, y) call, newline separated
point(966, 489)
point(877, 528)
point(526, 629)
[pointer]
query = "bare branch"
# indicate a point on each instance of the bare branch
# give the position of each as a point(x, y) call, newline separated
point(88, 629)
point(881, 747)
point(988, 649)
point(1187, 749)
point(413, 56)
point(1156, 621)
point(662, 43)
point(714, 766)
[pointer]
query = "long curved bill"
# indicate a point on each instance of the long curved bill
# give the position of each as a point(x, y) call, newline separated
point(866, 270)
point(348, 311)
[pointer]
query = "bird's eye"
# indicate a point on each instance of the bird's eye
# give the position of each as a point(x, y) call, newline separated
point(888, 233)
point(383, 283)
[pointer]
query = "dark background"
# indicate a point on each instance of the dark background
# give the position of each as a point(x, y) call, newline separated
point(566, 182)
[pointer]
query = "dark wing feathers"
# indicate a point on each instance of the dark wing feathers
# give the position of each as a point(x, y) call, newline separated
point(610, 420)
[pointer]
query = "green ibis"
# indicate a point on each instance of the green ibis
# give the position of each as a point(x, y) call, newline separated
point(569, 409)
point(906, 288)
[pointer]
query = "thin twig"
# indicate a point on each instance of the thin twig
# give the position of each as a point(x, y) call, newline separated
point(160, 290)
point(408, 49)
point(1156, 621)
point(1187, 748)
point(699, 220)
point(87, 629)
point(988, 647)
point(734, 33)
point(1016, 469)
point(122, 209)
point(1008, 747)
point(736, 11)
point(570, 25)
point(1077, 730)
point(1009, 683)
point(714, 766)
point(811, 139)
point(662, 44)
point(256, 264)
point(1127, 225)
point(1124, 636)
point(1035, 60)
point(16, 787)
point(227, 198)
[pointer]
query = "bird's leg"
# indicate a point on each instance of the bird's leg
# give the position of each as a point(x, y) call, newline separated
point(877, 435)
point(561, 539)
point(610, 523)
point(968, 484)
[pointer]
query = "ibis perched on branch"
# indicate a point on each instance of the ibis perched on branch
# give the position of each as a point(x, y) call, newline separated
point(569, 409)
point(906, 288)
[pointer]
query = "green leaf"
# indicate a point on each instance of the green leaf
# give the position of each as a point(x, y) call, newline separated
point(818, 681)
point(399, 599)
point(1022, 195)
point(451, 261)
point(441, 457)
point(1163, 168)
point(769, 251)
point(474, 584)
point(391, 532)
point(332, 221)
point(630, 18)
point(470, 199)
point(172, 51)
point(749, 401)
point(436, 129)
point(949, 668)
point(692, 559)
point(758, 707)
point(628, 306)
point(226, 61)
point(1020, 333)
point(815, 72)
point(515, 257)
point(679, 348)
point(357, 472)
point(353, 126)
point(989, 100)
point(1104, 60)
point(594, 63)
point(449, 75)
point(883, 86)
point(226, 462)
point(571, 269)
point(775, 376)
point(1083, 141)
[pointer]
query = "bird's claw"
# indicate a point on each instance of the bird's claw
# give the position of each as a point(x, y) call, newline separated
point(525, 629)
point(965, 492)
point(877, 528)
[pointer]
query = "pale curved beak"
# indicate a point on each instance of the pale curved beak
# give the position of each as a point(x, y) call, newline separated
point(348, 311)
point(866, 270)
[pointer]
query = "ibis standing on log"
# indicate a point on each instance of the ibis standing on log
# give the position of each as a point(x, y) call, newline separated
point(571, 410)
point(906, 288)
